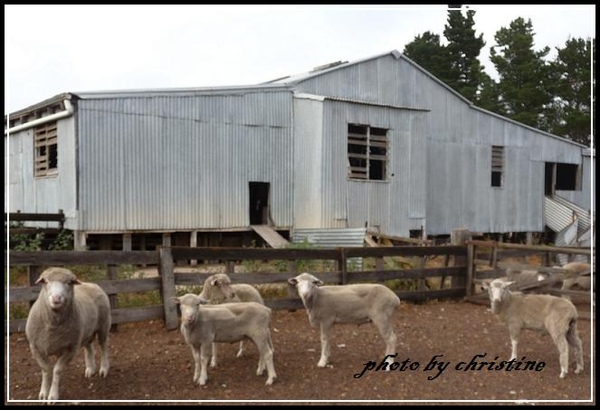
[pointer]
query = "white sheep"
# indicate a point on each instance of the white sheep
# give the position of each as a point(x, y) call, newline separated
point(580, 277)
point(219, 289)
point(68, 314)
point(522, 278)
point(356, 303)
point(203, 325)
point(558, 316)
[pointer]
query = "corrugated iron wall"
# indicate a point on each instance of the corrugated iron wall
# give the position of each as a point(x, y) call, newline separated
point(459, 138)
point(183, 163)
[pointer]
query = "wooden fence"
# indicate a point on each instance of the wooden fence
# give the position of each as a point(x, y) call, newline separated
point(166, 258)
point(464, 269)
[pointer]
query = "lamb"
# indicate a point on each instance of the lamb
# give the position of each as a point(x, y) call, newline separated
point(558, 316)
point(202, 325)
point(356, 303)
point(68, 314)
point(218, 289)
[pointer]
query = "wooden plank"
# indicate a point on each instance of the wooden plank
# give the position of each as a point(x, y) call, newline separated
point(451, 293)
point(369, 240)
point(63, 258)
point(21, 216)
point(271, 236)
point(141, 314)
point(533, 248)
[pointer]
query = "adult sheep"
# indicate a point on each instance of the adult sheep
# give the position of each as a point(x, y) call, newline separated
point(67, 315)
point(203, 324)
point(558, 316)
point(356, 303)
point(580, 276)
point(219, 289)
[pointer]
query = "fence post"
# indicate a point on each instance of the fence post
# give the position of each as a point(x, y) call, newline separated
point(470, 268)
point(112, 275)
point(460, 237)
point(33, 274)
point(167, 276)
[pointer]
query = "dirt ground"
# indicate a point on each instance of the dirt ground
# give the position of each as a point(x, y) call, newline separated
point(151, 364)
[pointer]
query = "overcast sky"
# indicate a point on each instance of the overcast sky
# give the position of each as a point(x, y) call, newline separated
point(54, 49)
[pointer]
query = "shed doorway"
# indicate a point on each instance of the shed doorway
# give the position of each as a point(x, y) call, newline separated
point(259, 203)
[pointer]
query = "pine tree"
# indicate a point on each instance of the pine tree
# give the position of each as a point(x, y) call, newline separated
point(427, 51)
point(570, 112)
point(524, 75)
point(466, 72)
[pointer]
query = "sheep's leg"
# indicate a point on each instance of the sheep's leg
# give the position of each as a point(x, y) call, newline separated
point(213, 359)
point(563, 349)
point(575, 342)
point(268, 359)
point(46, 365)
point(90, 360)
point(557, 331)
point(104, 351)
point(197, 364)
point(390, 338)
point(241, 350)
point(59, 367)
point(514, 332)
point(325, 348)
point(204, 364)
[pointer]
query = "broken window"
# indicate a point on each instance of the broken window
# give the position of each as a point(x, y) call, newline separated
point(497, 165)
point(367, 152)
point(46, 150)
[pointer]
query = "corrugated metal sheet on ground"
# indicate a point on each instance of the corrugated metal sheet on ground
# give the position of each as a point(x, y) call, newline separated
point(333, 238)
point(557, 216)
point(584, 216)
point(569, 237)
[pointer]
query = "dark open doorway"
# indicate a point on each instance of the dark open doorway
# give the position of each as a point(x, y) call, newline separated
point(259, 203)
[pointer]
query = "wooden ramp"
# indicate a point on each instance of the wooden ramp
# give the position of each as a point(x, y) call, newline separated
point(270, 236)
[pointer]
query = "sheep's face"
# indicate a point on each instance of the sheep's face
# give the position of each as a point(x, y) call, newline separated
point(188, 305)
point(497, 291)
point(224, 284)
point(58, 284)
point(305, 283)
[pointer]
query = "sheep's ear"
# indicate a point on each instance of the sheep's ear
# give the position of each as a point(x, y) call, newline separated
point(293, 281)
point(214, 281)
point(75, 282)
point(485, 285)
point(318, 282)
point(507, 284)
point(201, 300)
point(175, 300)
point(40, 280)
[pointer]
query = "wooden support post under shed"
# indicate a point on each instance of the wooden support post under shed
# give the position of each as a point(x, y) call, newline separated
point(127, 243)
point(193, 244)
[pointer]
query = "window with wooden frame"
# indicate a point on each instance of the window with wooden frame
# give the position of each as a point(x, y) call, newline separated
point(497, 165)
point(367, 152)
point(46, 150)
